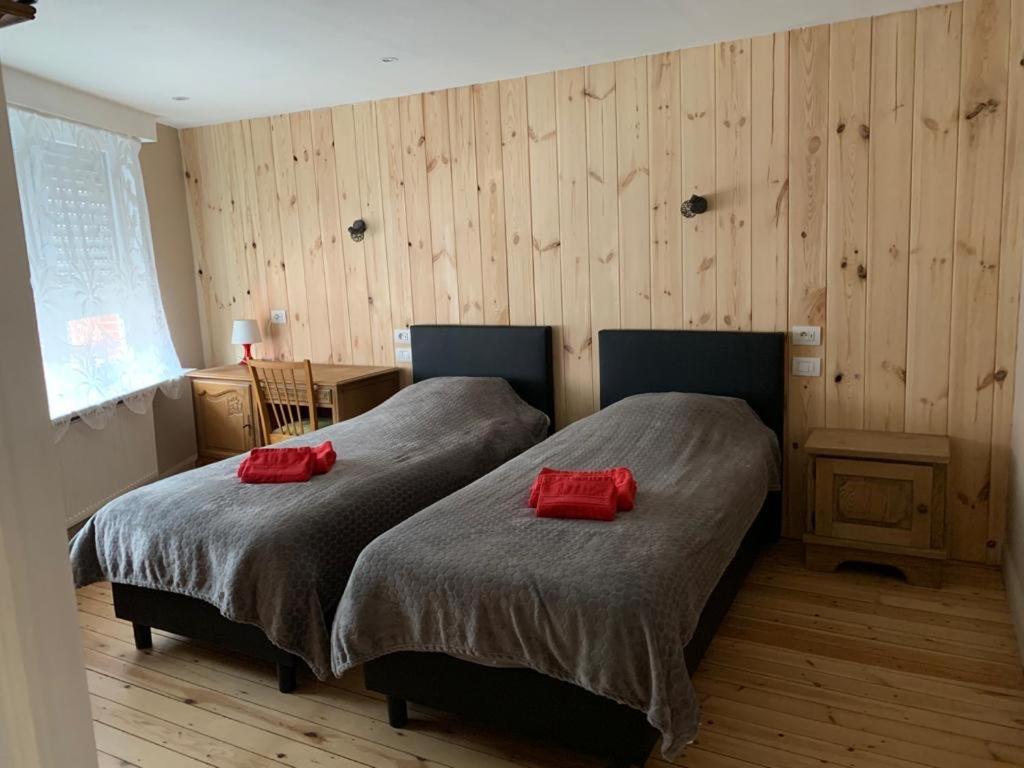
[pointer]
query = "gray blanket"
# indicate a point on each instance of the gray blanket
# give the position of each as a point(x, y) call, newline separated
point(608, 606)
point(278, 556)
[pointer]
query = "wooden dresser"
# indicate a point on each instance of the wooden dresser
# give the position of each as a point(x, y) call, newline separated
point(877, 497)
point(225, 410)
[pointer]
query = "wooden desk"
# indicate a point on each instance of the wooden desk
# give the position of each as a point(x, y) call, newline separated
point(225, 412)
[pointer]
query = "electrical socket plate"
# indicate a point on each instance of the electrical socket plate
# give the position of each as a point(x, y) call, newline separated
point(403, 355)
point(402, 336)
point(807, 366)
point(806, 335)
point(279, 316)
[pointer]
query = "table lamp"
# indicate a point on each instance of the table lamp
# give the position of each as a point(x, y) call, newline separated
point(246, 333)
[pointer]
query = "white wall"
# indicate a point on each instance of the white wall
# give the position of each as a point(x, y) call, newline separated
point(164, 178)
point(50, 98)
point(44, 706)
point(98, 465)
point(1013, 552)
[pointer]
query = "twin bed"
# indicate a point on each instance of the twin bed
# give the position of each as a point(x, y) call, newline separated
point(460, 598)
point(259, 569)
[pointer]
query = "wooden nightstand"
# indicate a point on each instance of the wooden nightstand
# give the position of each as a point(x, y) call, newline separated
point(877, 497)
point(226, 416)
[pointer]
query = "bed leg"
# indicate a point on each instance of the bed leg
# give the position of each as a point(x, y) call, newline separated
point(143, 637)
point(398, 712)
point(286, 682)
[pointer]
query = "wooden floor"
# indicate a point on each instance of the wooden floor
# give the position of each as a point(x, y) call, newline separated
point(808, 671)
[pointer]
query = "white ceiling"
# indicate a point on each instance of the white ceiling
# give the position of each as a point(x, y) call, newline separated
point(245, 58)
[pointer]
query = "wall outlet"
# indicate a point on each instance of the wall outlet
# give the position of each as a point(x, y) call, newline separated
point(403, 355)
point(806, 335)
point(402, 336)
point(279, 316)
point(807, 366)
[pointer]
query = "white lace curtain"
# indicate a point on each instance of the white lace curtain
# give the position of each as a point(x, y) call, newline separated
point(102, 327)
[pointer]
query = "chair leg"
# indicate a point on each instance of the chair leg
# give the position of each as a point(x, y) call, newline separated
point(143, 637)
point(286, 679)
point(398, 712)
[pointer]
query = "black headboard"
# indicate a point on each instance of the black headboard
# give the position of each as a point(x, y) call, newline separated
point(746, 365)
point(520, 354)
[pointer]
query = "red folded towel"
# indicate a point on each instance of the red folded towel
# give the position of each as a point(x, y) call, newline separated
point(277, 465)
point(625, 484)
point(286, 465)
point(582, 498)
point(324, 456)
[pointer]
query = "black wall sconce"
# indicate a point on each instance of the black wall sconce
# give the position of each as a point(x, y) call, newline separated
point(696, 204)
point(357, 231)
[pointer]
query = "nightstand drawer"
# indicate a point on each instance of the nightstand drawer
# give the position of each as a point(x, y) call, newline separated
point(224, 419)
point(325, 396)
point(873, 501)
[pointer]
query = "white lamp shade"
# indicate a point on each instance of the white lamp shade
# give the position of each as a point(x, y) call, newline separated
point(245, 332)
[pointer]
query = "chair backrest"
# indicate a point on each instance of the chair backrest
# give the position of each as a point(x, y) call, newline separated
point(281, 391)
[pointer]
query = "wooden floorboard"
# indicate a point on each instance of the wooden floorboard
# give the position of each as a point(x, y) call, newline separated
point(809, 670)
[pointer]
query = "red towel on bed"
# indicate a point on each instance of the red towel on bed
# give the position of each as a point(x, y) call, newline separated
point(286, 465)
point(586, 498)
point(277, 465)
point(324, 457)
point(625, 484)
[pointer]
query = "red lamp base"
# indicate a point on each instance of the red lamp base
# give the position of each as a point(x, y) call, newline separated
point(246, 354)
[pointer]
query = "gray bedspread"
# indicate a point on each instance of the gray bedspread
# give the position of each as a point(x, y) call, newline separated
point(278, 556)
point(608, 606)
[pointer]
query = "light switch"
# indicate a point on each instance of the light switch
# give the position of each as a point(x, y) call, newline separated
point(807, 366)
point(403, 355)
point(806, 335)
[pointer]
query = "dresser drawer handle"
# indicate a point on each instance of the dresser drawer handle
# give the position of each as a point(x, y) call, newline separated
point(922, 509)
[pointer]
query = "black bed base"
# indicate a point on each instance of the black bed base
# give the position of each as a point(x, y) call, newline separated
point(149, 609)
point(527, 702)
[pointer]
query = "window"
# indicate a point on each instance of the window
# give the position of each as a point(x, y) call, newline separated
point(101, 322)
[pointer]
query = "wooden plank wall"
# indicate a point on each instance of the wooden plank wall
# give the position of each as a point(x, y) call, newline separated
point(863, 176)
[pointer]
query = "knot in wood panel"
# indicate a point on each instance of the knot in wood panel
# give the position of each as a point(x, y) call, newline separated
point(989, 106)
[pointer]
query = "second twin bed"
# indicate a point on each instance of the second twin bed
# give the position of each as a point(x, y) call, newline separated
point(581, 629)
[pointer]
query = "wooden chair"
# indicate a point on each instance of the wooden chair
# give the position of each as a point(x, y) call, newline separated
point(282, 390)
